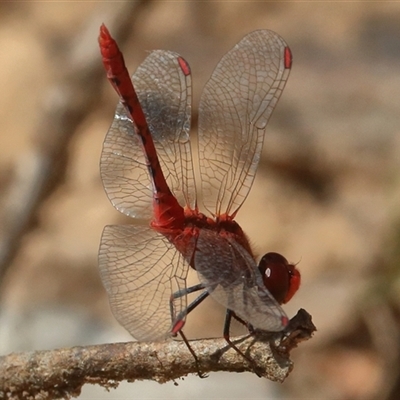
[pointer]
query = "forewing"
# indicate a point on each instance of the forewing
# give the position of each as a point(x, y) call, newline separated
point(235, 107)
point(232, 278)
point(163, 86)
point(140, 270)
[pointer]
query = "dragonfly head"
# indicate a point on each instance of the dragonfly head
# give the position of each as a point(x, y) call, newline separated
point(280, 278)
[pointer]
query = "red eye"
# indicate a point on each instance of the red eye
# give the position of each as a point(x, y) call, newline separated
point(280, 278)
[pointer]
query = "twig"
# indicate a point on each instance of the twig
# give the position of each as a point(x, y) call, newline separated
point(62, 373)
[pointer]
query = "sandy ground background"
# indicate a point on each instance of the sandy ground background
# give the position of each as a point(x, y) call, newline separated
point(327, 192)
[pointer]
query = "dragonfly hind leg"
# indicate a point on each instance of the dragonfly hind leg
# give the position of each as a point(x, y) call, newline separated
point(179, 320)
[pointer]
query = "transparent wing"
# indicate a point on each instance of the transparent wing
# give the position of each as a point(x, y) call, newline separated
point(235, 107)
point(140, 269)
point(163, 85)
point(232, 278)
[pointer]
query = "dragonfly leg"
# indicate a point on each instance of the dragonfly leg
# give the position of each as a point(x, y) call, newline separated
point(179, 320)
point(196, 360)
point(229, 315)
point(243, 322)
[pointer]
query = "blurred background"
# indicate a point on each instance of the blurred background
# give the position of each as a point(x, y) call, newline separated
point(327, 193)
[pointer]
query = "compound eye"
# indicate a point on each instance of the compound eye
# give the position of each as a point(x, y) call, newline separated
point(280, 278)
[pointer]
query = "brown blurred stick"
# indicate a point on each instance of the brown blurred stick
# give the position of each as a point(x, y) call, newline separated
point(65, 105)
point(62, 373)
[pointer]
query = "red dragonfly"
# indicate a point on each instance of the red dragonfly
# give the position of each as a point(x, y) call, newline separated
point(147, 172)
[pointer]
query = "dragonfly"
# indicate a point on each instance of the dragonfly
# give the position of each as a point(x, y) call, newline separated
point(147, 172)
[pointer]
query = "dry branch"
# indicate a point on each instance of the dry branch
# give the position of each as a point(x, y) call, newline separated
point(62, 373)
